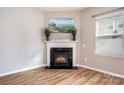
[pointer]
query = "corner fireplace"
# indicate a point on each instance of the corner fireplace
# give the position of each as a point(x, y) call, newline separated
point(61, 58)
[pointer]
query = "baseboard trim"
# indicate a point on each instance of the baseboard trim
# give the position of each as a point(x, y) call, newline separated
point(34, 67)
point(102, 71)
point(21, 70)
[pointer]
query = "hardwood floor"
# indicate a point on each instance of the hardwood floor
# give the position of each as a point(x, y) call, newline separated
point(41, 76)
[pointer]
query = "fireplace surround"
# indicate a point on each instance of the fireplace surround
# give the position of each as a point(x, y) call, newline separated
point(61, 54)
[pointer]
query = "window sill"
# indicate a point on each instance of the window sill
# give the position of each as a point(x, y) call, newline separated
point(115, 55)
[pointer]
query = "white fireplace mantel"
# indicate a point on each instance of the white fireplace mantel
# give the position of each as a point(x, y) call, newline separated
point(61, 44)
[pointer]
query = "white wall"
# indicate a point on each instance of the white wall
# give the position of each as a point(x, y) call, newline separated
point(111, 64)
point(20, 38)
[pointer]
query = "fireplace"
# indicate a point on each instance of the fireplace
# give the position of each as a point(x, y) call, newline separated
point(61, 54)
point(61, 57)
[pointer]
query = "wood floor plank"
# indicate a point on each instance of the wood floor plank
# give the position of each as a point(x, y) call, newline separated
point(70, 79)
point(41, 76)
point(88, 74)
point(48, 79)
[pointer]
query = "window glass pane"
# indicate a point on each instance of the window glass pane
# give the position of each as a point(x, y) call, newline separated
point(119, 24)
point(109, 26)
point(102, 27)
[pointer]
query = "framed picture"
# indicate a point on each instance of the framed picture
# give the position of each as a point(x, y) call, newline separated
point(61, 25)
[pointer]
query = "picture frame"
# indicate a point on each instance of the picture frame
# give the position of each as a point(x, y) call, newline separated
point(61, 25)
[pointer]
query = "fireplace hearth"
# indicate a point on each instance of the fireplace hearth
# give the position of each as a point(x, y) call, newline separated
point(61, 58)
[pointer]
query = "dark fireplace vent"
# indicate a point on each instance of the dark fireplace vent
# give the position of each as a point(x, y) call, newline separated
point(61, 58)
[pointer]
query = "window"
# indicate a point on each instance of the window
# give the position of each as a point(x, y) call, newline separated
point(110, 34)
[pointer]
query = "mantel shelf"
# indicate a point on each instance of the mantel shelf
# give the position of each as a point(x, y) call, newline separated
point(57, 41)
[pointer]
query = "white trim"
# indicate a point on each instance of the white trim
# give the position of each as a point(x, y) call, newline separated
point(102, 71)
point(21, 70)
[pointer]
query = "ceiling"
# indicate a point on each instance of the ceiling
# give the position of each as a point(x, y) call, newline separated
point(52, 9)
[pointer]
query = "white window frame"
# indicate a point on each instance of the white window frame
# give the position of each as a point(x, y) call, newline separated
point(118, 55)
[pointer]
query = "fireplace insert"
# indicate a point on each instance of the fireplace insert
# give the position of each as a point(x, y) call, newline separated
point(61, 58)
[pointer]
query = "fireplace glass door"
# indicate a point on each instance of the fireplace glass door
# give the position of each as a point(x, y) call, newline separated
point(61, 58)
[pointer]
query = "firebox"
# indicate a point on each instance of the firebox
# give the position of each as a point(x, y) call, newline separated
point(61, 58)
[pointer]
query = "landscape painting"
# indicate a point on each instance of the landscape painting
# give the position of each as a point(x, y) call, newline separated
point(60, 25)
